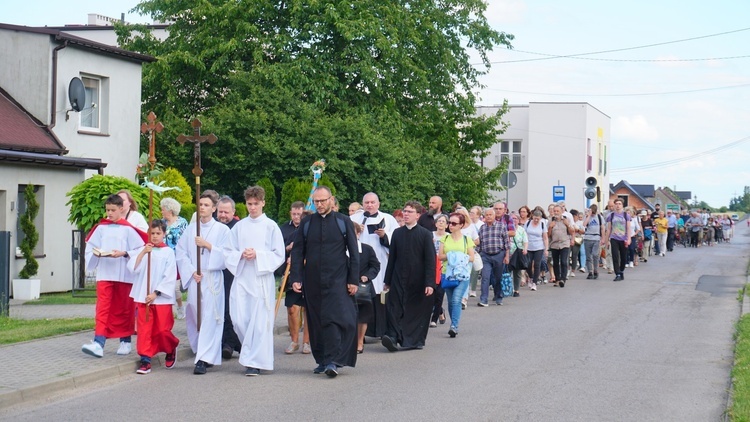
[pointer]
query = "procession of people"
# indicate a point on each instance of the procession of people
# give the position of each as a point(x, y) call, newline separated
point(347, 277)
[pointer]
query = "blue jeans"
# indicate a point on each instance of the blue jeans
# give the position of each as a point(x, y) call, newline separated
point(454, 301)
point(101, 339)
point(492, 271)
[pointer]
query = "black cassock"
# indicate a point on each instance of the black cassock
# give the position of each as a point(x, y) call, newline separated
point(411, 268)
point(321, 264)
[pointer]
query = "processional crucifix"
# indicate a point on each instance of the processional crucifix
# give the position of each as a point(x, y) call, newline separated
point(197, 139)
point(151, 128)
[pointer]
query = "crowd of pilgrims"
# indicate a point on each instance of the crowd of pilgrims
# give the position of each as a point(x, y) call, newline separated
point(485, 252)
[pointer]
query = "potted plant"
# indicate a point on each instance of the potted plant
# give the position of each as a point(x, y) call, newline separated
point(26, 287)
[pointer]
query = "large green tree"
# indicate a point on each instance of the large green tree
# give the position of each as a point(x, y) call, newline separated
point(382, 89)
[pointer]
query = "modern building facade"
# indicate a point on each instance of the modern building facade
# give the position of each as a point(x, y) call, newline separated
point(552, 148)
point(44, 142)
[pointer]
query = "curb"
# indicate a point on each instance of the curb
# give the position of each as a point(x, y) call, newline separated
point(46, 389)
point(43, 390)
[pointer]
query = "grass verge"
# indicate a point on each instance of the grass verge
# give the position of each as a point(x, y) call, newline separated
point(740, 410)
point(17, 330)
point(64, 298)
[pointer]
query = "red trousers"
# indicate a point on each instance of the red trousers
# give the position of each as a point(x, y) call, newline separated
point(115, 311)
point(155, 335)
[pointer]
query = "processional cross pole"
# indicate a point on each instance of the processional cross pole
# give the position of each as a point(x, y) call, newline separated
point(197, 139)
point(151, 128)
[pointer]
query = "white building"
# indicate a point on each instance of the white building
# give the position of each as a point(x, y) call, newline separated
point(45, 143)
point(552, 145)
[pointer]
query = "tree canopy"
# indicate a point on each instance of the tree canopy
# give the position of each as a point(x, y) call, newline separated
point(382, 89)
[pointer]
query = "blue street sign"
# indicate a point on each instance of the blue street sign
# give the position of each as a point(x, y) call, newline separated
point(558, 193)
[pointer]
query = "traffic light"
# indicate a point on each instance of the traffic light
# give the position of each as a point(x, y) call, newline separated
point(591, 189)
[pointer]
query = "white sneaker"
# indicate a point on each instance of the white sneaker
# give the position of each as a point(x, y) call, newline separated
point(583, 270)
point(572, 274)
point(533, 287)
point(473, 293)
point(181, 312)
point(94, 349)
point(125, 348)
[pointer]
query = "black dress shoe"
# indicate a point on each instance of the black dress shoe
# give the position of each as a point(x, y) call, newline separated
point(200, 368)
point(389, 343)
point(590, 276)
point(319, 369)
point(618, 278)
point(226, 351)
point(331, 371)
point(596, 275)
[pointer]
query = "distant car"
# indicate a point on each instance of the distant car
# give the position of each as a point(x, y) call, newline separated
point(735, 217)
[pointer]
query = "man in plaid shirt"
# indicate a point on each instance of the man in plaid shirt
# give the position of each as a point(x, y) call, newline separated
point(493, 248)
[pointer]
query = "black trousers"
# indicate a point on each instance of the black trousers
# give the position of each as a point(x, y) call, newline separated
point(670, 239)
point(619, 255)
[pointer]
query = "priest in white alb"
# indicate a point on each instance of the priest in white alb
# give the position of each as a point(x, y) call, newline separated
point(254, 250)
point(378, 229)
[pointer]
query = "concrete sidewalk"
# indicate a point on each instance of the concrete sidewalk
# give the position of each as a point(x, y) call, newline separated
point(37, 369)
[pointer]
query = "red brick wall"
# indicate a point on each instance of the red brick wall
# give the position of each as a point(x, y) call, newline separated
point(633, 199)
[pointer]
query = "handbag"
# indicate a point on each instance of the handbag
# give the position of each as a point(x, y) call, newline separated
point(477, 264)
point(518, 260)
point(364, 292)
point(449, 283)
point(506, 284)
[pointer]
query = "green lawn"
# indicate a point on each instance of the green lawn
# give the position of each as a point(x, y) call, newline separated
point(64, 298)
point(17, 330)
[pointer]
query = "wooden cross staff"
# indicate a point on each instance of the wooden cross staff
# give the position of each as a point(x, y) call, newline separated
point(151, 128)
point(197, 139)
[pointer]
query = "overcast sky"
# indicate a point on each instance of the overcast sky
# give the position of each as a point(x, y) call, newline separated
point(682, 103)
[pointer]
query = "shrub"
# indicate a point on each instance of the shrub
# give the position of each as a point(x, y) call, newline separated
point(31, 235)
point(87, 199)
point(271, 207)
point(173, 178)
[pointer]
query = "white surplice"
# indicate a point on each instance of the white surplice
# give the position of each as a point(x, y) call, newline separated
point(251, 299)
point(163, 276)
point(207, 344)
point(373, 240)
point(109, 237)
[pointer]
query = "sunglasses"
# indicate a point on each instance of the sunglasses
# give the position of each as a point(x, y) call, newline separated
point(453, 223)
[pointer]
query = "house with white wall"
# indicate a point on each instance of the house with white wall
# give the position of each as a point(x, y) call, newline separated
point(46, 143)
point(552, 149)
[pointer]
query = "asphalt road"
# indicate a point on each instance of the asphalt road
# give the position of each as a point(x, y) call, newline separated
point(656, 347)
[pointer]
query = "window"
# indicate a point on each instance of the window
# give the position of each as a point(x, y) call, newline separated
point(95, 115)
point(90, 113)
point(512, 151)
point(601, 160)
point(605, 160)
point(589, 159)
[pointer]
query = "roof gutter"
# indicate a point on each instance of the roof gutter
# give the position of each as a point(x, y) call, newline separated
point(53, 108)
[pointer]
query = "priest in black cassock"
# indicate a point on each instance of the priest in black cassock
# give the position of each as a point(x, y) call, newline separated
point(325, 267)
point(410, 278)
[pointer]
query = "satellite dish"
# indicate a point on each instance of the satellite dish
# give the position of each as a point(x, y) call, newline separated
point(76, 94)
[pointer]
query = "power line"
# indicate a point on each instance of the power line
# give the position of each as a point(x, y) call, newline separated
point(622, 95)
point(616, 60)
point(554, 56)
point(676, 161)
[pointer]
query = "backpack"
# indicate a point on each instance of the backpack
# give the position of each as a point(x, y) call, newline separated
point(541, 221)
point(339, 222)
